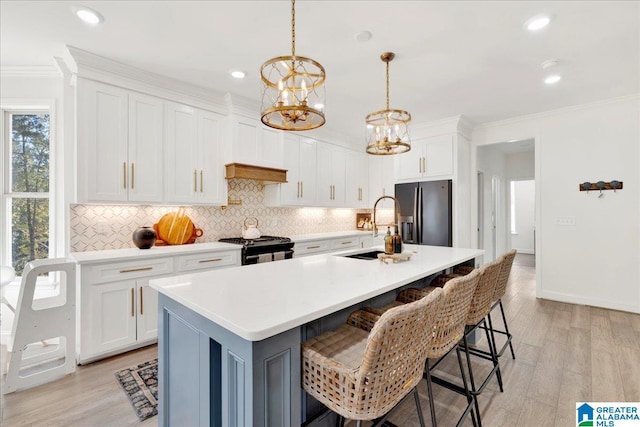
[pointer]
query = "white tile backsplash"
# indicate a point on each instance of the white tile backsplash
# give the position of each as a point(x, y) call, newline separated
point(99, 227)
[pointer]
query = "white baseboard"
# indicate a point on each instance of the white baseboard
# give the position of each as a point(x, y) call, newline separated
point(575, 299)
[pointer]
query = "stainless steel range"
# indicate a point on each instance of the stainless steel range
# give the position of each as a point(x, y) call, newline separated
point(263, 249)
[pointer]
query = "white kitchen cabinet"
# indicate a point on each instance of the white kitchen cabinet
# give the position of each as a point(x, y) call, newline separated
point(120, 145)
point(326, 245)
point(330, 185)
point(366, 241)
point(356, 179)
point(194, 165)
point(118, 310)
point(381, 177)
point(429, 158)
point(253, 143)
point(351, 242)
point(300, 163)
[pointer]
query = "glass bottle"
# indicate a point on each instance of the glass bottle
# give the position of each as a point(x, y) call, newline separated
point(388, 242)
point(397, 242)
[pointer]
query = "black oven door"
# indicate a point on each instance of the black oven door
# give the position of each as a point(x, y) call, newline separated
point(267, 257)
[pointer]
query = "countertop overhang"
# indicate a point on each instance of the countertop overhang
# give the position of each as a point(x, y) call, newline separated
point(259, 301)
point(110, 255)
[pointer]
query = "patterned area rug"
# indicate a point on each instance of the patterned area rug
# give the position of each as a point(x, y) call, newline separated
point(140, 383)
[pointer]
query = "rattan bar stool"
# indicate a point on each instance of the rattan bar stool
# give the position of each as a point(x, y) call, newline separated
point(364, 375)
point(478, 311)
point(450, 329)
point(506, 260)
point(498, 294)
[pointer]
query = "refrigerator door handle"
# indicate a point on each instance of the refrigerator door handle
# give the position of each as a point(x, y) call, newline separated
point(419, 217)
point(416, 220)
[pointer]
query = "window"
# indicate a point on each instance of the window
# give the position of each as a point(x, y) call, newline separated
point(26, 204)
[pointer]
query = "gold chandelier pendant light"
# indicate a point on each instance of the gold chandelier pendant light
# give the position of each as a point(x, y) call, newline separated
point(292, 89)
point(388, 130)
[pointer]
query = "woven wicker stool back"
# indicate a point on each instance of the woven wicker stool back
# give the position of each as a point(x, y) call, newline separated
point(483, 296)
point(449, 329)
point(392, 365)
point(503, 276)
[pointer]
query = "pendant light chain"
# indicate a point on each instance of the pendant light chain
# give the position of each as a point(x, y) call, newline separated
point(387, 85)
point(293, 28)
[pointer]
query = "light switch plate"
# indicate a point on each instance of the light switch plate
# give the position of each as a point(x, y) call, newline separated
point(566, 220)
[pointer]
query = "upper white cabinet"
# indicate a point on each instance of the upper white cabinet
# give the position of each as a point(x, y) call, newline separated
point(300, 163)
point(381, 177)
point(253, 143)
point(120, 147)
point(330, 188)
point(429, 158)
point(194, 166)
point(356, 179)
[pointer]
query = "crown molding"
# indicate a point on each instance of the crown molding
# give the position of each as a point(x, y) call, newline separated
point(95, 67)
point(456, 124)
point(46, 71)
point(564, 110)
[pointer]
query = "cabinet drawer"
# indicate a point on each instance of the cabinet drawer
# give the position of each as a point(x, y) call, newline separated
point(131, 270)
point(311, 247)
point(345, 243)
point(208, 261)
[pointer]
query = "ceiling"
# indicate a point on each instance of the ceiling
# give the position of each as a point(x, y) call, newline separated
point(471, 58)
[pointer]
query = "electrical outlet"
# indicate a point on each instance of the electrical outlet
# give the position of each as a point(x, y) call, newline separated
point(566, 220)
point(102, 227)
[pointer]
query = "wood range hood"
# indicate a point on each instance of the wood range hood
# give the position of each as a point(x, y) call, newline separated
point(258, 173)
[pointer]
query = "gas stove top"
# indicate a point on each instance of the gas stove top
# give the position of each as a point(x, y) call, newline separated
point(260, 241)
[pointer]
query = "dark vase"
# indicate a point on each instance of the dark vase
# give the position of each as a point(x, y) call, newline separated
point(144, 237)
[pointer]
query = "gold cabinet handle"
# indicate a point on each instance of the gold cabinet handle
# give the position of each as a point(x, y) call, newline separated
point(195, 181)
point(201, 181)
point(313, 247)
point(124, 174)
point(141, 303)
point(202, 261)
point(301, 188)
point(133, 297)
point(347, 243)
point(133, 174)
point(131, 270)
point(298, 195)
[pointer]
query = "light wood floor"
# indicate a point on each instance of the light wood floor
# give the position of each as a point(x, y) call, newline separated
point(565, 354)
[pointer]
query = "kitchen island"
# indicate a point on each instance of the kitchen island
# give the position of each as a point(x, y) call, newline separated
point(229, 340)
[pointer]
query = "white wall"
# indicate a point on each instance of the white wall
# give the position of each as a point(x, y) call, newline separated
point(597, 260)
point(520, 165)
point(524, 200)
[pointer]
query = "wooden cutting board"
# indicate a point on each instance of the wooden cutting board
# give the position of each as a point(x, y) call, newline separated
point(175, 229)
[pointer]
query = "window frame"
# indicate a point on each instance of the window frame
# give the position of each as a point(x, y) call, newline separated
point(26, 106)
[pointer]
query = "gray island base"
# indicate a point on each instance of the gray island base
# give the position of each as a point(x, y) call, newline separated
point(229, 340)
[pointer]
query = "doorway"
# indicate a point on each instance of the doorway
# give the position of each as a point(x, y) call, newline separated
point(497, 167)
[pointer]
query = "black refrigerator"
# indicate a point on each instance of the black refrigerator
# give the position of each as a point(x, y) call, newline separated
point(426, 212)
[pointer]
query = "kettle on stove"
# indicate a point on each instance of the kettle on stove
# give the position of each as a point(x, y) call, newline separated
point(250, 231)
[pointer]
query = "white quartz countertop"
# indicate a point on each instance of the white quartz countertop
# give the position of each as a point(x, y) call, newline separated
point(262, 300)
point(155, 251)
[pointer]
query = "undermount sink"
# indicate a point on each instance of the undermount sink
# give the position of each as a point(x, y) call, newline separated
point(365, 255)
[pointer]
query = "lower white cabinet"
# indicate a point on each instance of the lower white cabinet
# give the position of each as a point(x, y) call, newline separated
point(330, 244)
point(118, 310)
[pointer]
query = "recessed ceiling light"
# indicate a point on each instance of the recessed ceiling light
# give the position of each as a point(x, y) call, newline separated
point(238, 74)
point(553, 79)
point(363, 36)
point(538, 22)
point(89, 16)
